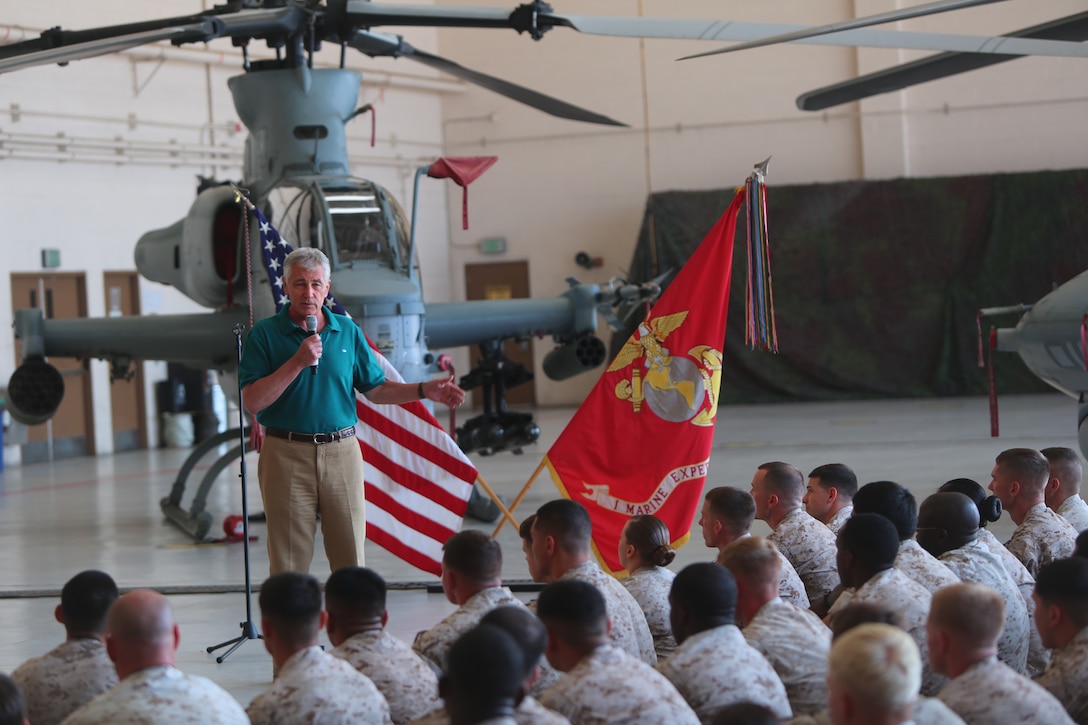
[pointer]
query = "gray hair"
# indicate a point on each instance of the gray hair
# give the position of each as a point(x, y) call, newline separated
point(309, 258)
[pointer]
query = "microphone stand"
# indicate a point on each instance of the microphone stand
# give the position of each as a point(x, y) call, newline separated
point(249, 630)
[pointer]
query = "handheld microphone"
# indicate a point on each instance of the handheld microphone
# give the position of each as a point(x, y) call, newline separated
point(311, 329)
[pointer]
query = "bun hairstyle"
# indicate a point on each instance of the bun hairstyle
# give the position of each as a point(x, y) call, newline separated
point(989, 507)
point(650, 537)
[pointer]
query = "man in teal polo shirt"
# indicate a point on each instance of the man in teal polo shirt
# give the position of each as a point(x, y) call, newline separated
point(311, 465)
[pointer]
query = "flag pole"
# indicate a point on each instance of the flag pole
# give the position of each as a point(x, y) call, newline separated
point(507, 514)
point(521, 494)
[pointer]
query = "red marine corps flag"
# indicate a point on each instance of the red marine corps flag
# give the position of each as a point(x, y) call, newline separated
point(640, 443)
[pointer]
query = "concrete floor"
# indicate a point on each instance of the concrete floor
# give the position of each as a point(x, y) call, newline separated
point(58, 519)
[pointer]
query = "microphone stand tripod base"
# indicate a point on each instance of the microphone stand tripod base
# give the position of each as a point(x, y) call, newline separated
point(249, 631)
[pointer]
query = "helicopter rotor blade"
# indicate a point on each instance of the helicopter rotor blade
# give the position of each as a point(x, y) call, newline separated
point(63, 46)
point(537, 18)
point(943, 65)
point(917, 11)
point(90, 49)
point(376, 44)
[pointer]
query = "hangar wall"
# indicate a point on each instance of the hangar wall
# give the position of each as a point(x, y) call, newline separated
point(701, 124)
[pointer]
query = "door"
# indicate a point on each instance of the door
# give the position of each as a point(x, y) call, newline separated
point(504, 281)
point(70, 433)
point(129, 421)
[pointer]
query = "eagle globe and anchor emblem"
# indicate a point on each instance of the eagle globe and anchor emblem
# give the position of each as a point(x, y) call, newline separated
point(676, 389)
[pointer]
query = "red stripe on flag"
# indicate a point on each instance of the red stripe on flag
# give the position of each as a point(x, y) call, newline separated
point(408, 554)
point(412, 519)
point(406, 438)
point(413, 481)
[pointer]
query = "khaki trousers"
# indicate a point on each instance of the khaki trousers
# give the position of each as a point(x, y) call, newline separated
point(301, 482)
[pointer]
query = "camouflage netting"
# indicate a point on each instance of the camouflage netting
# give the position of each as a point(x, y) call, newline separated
point(877, 283)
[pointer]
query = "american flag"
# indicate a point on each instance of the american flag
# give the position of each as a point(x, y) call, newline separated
point(417, 481)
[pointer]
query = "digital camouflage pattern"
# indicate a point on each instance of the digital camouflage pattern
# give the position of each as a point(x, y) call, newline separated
point(989, 692)
point(810, 546)
point(313, 686)
point(407, 682)
point(716, 667)
point(796, 643)
point(650, 586)
point(923, 567)
point(1042, 537)
point(974, 563)
point(64, 679)
point(630, 632)
point(162, 695)
point(611, 686)
point(434, 644)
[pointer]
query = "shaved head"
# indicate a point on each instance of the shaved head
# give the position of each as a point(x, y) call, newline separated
point(141, 618)
point(947, 521)
point(953, 511)
point(140, 632)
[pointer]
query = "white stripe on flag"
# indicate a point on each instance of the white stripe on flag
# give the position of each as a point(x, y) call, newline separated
point(430, 433)
point(412, 459)
point(411, 500)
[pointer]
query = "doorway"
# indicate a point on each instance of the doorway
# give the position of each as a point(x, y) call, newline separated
point(70, 432)
point(127, 400)
point(504, 281)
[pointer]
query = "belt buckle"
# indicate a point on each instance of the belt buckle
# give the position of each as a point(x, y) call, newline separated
point(315, 439)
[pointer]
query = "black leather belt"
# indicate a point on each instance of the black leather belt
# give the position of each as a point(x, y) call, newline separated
point(315, 438)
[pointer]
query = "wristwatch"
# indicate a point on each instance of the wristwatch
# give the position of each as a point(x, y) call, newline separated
point(419, 390)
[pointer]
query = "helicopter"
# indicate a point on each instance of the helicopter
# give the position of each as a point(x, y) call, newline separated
point(1051, 337)
point(297, 170)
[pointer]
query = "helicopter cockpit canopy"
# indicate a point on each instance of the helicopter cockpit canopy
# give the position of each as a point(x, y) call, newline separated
point(368, 225)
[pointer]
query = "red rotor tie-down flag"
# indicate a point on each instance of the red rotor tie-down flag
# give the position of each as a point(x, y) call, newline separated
point(463, 170)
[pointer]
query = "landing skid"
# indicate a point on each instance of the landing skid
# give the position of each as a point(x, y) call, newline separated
point(196, 521)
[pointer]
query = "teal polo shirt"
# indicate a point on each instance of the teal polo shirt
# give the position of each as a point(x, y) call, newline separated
point(311, 403)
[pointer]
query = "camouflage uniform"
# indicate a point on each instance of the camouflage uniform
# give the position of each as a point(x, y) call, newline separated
point(923, 567)
point(611, 686)
point(790, 587)
point(529, 712)
point(1038, 655)
point(839, 518)
point(434, 644)
point(892, 588)
point(796, 643)
point(1042, 537)
point(161, 695)
point(974, 563)
point(64, 679)
point(547, 677)
point(810, 547)
point(403, 677)
point(991, 693)
point(716, 667)
point(650, 585)
point(630, 632)
point(313, 686)
point(1067, 677)
point(927, 711)
point(1075, 512)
